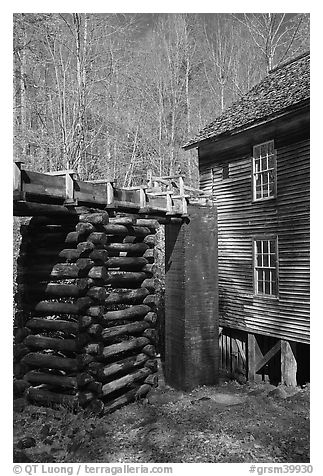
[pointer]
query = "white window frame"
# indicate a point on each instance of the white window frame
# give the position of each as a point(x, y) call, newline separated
point(266, 192)
point(271, 268)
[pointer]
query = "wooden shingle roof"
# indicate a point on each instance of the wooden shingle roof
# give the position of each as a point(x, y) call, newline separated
point(283, 89)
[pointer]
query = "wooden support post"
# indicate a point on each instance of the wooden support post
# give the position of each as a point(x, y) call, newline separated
point(288, 363)
point(251, 357)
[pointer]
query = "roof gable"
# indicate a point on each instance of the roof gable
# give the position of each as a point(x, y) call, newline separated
point(283, 88)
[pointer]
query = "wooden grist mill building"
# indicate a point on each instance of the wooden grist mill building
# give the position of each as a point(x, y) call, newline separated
point(254, 160)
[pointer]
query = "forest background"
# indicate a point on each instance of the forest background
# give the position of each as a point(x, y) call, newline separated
point(112, 95)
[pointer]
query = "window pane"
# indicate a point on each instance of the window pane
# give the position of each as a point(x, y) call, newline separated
point(256, 151)
point(264, 163)
point(264, 170)
point(271, 162)
point(270, 147)
point(264, 149)
point(259, 281)
point(266, 262)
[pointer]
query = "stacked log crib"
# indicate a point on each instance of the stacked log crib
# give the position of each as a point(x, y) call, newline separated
point(85, 332)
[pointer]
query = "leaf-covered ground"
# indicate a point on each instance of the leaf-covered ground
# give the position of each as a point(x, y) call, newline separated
point(226, 423)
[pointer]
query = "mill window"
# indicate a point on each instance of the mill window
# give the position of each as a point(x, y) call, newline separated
point(264, 171)
point(265, 266)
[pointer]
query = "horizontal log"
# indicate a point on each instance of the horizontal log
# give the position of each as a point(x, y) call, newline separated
point(149, 284)
point(97, 293)
point(132, 249)
point(134, 296)
point(83, 303)
point(94, 348)
point(150, 240)
point(125, 278)
point(149, 255)
point(74, 237)
point(151, 317)
point(94, 367)
point(125, 381)
point(84, 360)
point(136, 327)
point(51, 307)
point(85, 248)
point(43, 343)
point(85, 321)
point(98, 272)
point(103, 373)
point(85, 228)
point(152, 364)
point(151, 334)
point(150, 350)
point(69, 254)
point(99, 255)
point(139, 231)
point(126, 346)
point(150, 269)
point(122, 221)
point(114, 229)
point(100, 218)
point(68, 327)
point(126, 263)
point(151, 300)
point(132, 312)
point(56, 289)
point(37, 378)
point(119, 402)
point(150, 223)
point(98, 238)
point(152, 380)
point(46, 397)
point(41, 361)
point(40, 209)
point(83, 379)
point(94, 330)
point(95, 311)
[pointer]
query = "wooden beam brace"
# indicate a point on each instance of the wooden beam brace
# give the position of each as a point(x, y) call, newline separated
point(242, 352)
point(263, 361)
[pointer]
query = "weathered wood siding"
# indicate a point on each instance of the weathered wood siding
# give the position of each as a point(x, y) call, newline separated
point(239, 219)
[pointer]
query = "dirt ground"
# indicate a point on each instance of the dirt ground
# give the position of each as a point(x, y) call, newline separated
point(225, 423)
